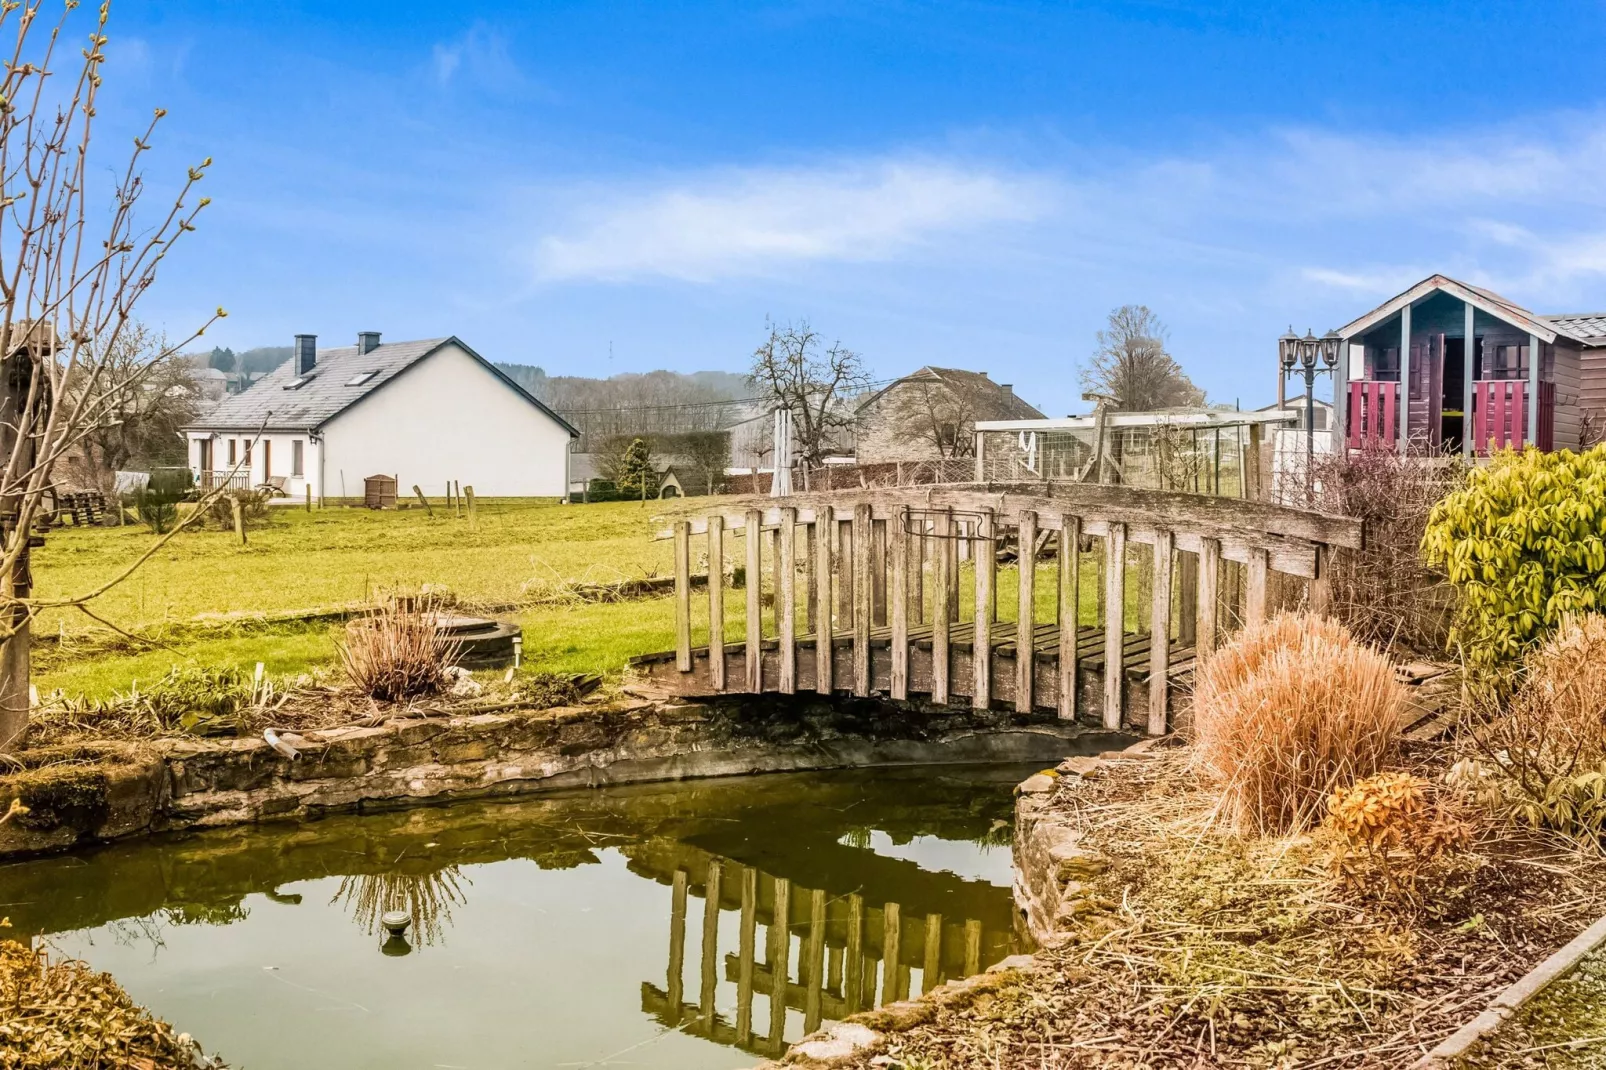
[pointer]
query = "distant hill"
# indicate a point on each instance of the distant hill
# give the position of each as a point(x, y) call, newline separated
point(657, 402)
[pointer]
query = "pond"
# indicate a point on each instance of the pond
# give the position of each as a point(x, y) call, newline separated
point(627, 926)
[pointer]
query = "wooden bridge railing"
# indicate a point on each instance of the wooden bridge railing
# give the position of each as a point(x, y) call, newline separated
point(866, 555)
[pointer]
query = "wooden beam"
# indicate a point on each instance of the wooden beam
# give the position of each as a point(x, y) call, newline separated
point(939, 615)
point(709, 976)
point(774, 537)
point(1160, 637)
point(778, 950)
point(1469, 349)
point(1321, 588)
point(1070, 598)
point(824, 544)
point(1026, 612)
point(1114, 623)
point(814, 955)
point(1405, 378)
point(917, 569)
point(860, 581)
point(745, 948)
point(811, 580)
point(1534, 368)
point(1209, 607)
point(786, 601)
point(981, 661)
point(844, 567)
point(1187, 595)
point(716, 602)
point(878, 572)
point(899, 610)
point(683, 596)
point(950, 551)
point(1255, 597)
point(754, 636)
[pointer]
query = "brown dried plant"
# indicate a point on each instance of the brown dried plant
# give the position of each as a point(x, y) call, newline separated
point(1391, 834)
point(396, 652)
point(1290, 710)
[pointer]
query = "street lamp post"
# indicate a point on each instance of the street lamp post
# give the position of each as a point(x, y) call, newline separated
point(1300, 356)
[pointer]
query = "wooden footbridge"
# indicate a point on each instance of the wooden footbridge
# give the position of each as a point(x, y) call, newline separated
point(894, 591)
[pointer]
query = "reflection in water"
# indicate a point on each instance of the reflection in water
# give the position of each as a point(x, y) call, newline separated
point(660, 920)
point(426, 898)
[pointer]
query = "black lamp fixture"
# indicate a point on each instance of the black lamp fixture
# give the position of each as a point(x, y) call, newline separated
point(1301, 356)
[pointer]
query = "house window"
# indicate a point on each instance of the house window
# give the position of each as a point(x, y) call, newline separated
point(295, 458)
point(234, 445)
point(1509, 362)
point(1385, 363)
point(299, 381)
point(247, 453)
point(361, 378)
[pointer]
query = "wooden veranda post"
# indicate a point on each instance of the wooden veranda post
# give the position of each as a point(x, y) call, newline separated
point(1114, 623)
point(753, 528)
point(1026, 616)
point(1070, 594)
point(683, 595)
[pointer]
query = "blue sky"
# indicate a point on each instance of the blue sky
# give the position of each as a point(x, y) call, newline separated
point(973, 184)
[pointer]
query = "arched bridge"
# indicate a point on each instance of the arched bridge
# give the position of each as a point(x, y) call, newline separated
point(897, 591)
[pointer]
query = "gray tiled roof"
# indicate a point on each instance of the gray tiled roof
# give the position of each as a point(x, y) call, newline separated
point(270, 402)
point(1588, 327)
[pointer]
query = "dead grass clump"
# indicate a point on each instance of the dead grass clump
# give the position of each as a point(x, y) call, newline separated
point(1545, 755)
point(395, 653)
point(1286, 713)
point(62, 1014)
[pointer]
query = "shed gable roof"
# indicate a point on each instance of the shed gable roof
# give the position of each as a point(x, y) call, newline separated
point(1587, 328)
point(340, 379)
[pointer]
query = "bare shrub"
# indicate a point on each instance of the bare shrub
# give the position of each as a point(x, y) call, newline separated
point(1385, 594)
point(253, 504)
point(1289, 711)
point(395, 653)
point(1546, 753)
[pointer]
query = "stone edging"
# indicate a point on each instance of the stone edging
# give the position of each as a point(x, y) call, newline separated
point(1049, 866)
point(1513, 999)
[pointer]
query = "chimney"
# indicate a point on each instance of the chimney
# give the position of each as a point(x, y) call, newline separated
point(1007, 388)
point(306, 353)
point(367, 342)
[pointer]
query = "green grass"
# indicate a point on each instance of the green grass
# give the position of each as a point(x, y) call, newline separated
point(339, 556)
point(330, 557)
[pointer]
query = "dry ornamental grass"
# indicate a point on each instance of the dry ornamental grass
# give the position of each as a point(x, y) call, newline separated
point(1287, 712)
point(395, 653)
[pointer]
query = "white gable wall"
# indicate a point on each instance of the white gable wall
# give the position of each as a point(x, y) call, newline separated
point(448, 417)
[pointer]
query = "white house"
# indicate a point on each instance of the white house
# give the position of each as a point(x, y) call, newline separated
point(425, 412)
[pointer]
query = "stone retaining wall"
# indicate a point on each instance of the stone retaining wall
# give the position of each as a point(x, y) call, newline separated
point(111, 792)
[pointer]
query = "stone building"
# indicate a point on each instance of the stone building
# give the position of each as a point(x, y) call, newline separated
point(931, 414)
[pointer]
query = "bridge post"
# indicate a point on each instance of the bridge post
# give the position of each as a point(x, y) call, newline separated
point(716, 602)
point(1070, 599)
point(1321, 587)
point(897, 532)
point(853, 978)
point(778, 956)
point(824, 542)
point(939, 611)
point(1026, 614)
point(1209, 597)
point(813, 971)
point(709, 978)
point(981, 660)
point(744, 956)
point(859, 584)
point(1114, 623)
point(754, 635)
point(1160, 634)
point(683, 595)
point(1255, 596)
point(786, 600)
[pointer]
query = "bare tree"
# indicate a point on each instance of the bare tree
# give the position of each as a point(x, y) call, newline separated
point(794, 370)
point(151, 398)
point(935, 414)
point(70, 276)
point(1131, 365)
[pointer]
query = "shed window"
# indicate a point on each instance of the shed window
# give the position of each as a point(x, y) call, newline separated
point(361, 378)
point(1509, 362)
point(1384, 362)
point(295, 458)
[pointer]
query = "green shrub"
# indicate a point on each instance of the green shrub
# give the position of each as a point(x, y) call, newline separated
point(1524, 542)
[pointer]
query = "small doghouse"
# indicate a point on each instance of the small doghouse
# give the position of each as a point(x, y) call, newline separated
point(379, 492)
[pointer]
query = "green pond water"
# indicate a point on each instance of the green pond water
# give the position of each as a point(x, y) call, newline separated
point(682, 925)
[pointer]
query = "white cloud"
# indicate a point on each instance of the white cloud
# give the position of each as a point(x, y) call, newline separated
point(480, 53)
point(761, 221)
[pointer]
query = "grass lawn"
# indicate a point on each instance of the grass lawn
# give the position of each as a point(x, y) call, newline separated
point(331, 557)
point(520, 551)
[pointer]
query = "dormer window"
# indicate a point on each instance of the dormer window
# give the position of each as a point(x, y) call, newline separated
point(361, 378)
point(299, 381)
